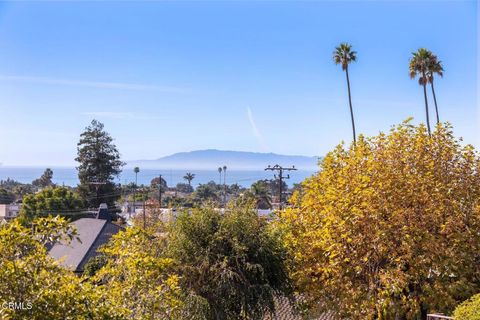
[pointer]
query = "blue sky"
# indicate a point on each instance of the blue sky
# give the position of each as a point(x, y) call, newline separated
point(166, 77)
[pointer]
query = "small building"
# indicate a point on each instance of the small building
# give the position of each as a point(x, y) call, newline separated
point(93, 233)
point(9, 211)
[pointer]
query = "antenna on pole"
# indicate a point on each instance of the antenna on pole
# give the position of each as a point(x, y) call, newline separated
point(280, 179)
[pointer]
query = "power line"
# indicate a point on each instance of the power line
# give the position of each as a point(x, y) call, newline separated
point(280, 178)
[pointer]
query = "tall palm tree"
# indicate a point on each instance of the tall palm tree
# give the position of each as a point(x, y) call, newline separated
point(189, 177)
point(434, 67)
point(220, 175)
point(344, 55)
point(136, 170)
point(418, 66)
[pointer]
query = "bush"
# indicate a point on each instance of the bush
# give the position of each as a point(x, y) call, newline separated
point(468, 310)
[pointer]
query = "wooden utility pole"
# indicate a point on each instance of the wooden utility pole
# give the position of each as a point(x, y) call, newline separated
point(160, 192)
point(280, 179)
point(97, 185)
point(144, 218)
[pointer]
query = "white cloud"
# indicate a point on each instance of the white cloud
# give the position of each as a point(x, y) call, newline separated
point(92, 84)
point(255, 130)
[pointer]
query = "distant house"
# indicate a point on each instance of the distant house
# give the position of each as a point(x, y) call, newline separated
point(93, 233)
point(9, 211)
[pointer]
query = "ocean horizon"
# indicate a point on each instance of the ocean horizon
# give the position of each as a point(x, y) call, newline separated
point(69, 176)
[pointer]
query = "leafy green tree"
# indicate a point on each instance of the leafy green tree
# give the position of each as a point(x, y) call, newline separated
point(22, 190)
point(207, 192)
point(99, 163)
point(419, 66)
point(50, 201)
point(28, 276)
point(183, 187)
point(231, 260)
point(189, 177)
point(6, 197)
point(390, 228)
point(45, 180)
point(344, 55)
point(260, 191)
point(468, 310)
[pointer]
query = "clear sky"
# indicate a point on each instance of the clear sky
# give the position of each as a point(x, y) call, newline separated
point(166, 77)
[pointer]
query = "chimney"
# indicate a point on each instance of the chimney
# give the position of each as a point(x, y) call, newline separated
point(103, 212)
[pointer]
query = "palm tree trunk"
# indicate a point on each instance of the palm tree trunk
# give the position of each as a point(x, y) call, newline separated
point(435, 101)
point(351, 108)
point(426, 108)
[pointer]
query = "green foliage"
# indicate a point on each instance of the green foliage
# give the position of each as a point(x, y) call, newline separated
point(99, 161)
point(189, 177)
point(45, 180)
point(6, 197)
point(389, 228)
point(94, 264)
point(29, 276)
point(51, 200)
point(468, 310)
point(260, 192)
point(233, 261)
point(184, 188)
point(207, 192)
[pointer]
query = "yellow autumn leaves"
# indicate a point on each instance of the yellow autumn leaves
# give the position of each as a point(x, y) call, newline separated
point(390, 228)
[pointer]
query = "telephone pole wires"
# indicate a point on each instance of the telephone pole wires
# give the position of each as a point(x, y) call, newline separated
point(280, 178)
point(160, 191)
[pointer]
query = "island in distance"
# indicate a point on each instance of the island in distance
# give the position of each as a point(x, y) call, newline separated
point(234, 160)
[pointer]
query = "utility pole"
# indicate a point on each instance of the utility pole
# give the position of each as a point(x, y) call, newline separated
point(160, 191)
point(97, 185)
point(224, 185)
point(144, 218)
point(280, 178)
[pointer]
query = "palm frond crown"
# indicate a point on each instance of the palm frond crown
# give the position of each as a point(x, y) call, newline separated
point(344, 55)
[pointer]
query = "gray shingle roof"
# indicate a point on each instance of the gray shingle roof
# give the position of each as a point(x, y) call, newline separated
point(92, 233)
point(285, 310)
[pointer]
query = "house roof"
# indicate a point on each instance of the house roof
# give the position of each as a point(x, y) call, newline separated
point(92, 233)
point(286, 310)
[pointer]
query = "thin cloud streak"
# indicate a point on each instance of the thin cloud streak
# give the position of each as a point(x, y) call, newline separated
point(93, 84)
point(255, 130)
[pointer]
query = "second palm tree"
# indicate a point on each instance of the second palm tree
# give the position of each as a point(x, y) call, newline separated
point(344, 55)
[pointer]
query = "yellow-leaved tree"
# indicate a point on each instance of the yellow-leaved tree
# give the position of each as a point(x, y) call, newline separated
point(34, 286)
point(138, 280)
point(389, 228)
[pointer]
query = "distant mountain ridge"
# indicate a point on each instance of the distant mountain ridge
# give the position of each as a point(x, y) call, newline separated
point(234, 160)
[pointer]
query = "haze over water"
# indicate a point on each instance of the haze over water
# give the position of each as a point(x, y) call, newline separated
point(69, 177)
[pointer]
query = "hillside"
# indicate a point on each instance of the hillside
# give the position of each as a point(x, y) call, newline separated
point(234, 160)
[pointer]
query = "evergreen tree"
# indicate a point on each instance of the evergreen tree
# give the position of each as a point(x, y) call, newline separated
point(99, 164)
point(45, 180)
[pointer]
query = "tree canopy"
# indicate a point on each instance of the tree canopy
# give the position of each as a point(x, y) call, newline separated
point(389, 228)
point(233, 261)
point(50, 201)
point(99, 163)
point(45, 180)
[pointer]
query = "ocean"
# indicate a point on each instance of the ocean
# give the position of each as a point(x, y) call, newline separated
point(68, 176)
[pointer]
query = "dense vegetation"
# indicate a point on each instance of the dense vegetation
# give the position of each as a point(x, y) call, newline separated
point(389, 228)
